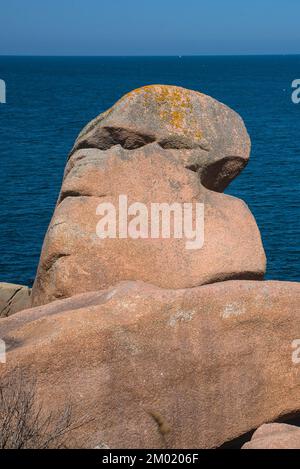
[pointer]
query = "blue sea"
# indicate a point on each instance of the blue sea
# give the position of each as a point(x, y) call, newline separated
point(49, 100)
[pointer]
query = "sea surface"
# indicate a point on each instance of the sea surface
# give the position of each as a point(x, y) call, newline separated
point(49, 100)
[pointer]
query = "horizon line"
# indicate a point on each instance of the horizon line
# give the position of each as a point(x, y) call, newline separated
point(155, 55)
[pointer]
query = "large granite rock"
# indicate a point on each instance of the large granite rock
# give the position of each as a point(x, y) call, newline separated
point(197, 146)
point(185, 368)
point(275, 436)
point(13, 298)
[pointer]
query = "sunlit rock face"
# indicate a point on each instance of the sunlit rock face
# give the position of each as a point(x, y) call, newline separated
point(158, 144)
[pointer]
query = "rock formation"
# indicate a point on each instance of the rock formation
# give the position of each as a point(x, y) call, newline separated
point(164, 347)
point(13, 298)
point(275, 436)
point(213, 361)
point(158, 144)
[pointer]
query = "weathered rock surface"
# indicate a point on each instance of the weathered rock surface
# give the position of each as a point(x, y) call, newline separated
point(108, 163)
point(75, 260)
point(13, 298)
point(185, 368)
point(205, 134)
point(275, 436)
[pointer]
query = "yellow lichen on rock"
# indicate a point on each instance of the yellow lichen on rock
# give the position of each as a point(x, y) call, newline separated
point(173, 104)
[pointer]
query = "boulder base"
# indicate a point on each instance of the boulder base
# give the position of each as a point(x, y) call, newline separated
point(155, 368)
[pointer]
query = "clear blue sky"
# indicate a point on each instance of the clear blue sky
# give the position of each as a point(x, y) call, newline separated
point(149, 27)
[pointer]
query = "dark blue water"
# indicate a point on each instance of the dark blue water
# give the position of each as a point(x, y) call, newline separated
point(49, 100)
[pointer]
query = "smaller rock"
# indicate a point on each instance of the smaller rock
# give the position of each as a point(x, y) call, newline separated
point(13, 298)
point(275, 436)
